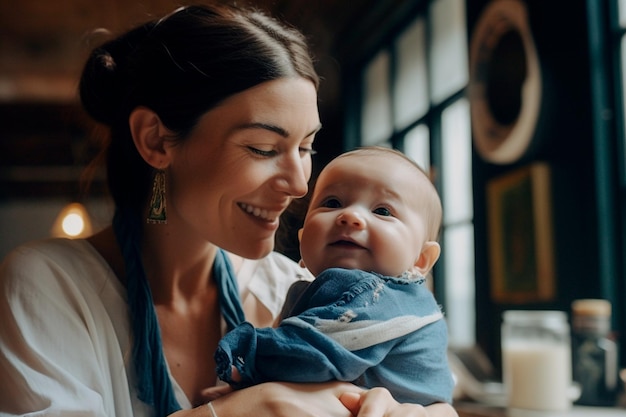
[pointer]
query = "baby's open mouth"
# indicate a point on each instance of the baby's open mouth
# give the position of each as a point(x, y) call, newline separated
point(346, 244)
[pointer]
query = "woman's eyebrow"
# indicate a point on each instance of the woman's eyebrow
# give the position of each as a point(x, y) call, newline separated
point(275, 129)
point(314, 131)
point(265, 126)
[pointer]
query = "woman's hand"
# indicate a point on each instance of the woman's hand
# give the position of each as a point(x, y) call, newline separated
point(275, 399)
point(378, 402)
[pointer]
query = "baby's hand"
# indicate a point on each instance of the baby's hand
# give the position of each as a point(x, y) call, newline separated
point(234, 374)
point(212, 393)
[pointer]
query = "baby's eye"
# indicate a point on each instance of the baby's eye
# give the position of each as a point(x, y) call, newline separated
point(331, 203)
point(382, 211)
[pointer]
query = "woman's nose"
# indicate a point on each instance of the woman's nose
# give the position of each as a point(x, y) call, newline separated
point(352, 218)
point(294, 177)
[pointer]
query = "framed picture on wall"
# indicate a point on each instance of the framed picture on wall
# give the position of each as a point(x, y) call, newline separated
point(521, 238)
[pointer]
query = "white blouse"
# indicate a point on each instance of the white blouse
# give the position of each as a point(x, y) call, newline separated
point(65, 338)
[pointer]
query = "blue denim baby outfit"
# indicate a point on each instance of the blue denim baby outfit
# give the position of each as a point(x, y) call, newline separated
point(355, 326)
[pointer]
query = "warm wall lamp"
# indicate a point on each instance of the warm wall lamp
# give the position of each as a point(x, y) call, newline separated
point(72, 222)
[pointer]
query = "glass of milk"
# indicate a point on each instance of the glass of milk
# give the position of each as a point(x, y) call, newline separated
point(536, 358)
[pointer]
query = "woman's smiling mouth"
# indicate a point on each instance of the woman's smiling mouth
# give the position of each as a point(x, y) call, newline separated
point(263, 214)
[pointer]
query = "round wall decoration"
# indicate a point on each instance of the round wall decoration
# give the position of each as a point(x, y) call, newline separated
point(505, 82)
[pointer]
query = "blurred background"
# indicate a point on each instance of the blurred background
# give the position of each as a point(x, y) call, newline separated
point(515, 107)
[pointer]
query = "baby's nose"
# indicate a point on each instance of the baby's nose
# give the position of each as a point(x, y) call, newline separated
point(351, 218)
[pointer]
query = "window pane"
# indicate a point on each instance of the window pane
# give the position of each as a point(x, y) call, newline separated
point(449, 63)
point(376, 114)
point(411, 84)
point(417, 146)
point(456, 163)
point(458, 250)
point(622, 12)
point(623, 72)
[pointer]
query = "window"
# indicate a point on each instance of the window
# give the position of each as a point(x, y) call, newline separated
point(377, 104)
point(613, 285)
point(412, 91)
point(621, 33)
point(412, 96)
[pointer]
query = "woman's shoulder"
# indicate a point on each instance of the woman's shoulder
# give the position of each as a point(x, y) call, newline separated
point(51, 251)
point(35, 253)
point(54, 259)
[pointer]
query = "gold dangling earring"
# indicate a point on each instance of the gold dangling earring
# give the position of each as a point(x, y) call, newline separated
point(157, 213)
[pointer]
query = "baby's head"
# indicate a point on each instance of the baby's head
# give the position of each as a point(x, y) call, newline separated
point(373, 209)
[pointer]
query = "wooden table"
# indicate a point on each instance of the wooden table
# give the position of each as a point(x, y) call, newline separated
point(470, 409)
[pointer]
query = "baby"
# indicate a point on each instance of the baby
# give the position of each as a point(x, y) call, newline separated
point(370, 238)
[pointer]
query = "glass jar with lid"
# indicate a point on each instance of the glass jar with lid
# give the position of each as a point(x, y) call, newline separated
point(536, 357)
point(594, 352)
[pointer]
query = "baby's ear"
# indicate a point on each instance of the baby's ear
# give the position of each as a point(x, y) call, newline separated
point(430, 254)
point(301, 263)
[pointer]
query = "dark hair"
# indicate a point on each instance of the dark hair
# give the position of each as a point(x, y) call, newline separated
point(180, 67)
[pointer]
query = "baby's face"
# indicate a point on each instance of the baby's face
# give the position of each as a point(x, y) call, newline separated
point(365, 214)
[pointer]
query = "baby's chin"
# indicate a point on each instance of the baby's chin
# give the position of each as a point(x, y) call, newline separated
point(348, 264)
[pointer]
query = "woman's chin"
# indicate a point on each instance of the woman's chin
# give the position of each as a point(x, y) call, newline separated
point(258, 251)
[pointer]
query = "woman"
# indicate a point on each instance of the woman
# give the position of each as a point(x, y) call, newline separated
point(212, 115)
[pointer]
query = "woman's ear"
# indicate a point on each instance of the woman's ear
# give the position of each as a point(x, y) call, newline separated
point(149, 136)
point(430, 254)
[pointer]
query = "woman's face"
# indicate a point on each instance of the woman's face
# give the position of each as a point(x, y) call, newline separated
point(245, 161)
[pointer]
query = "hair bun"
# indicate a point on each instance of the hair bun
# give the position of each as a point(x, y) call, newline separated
point(100, 85)
point(107, 77)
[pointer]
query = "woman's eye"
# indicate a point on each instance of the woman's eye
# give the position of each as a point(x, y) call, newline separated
point(307, 151)
point(331, 203)
point(262, 152)
point(382, 211)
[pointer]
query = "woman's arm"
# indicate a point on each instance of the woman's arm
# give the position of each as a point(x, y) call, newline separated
point(59, 351)
point(274, 399)
point(332, 399)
